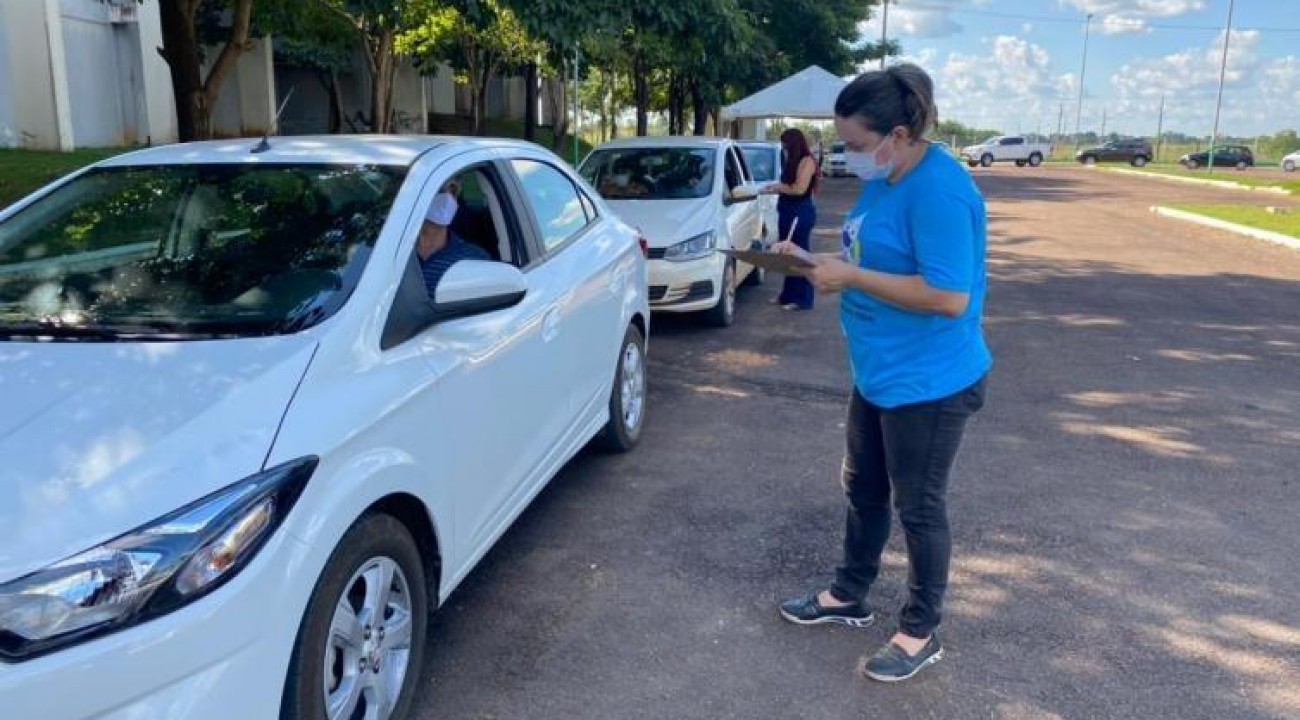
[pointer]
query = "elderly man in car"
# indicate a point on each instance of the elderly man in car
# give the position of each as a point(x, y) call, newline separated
point(439, 248)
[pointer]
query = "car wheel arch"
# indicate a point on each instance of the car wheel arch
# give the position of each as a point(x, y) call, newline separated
point(414, 515)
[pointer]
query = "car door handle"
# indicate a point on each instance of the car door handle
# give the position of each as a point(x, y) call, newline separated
point(551, 324)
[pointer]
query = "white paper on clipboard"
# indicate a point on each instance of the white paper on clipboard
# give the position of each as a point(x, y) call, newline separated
point(782, 263)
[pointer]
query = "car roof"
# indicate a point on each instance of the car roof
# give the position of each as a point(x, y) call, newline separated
point(399, 150)
point(673, 141)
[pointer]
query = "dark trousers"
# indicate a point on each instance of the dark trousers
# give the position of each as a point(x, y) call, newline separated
point(905, 453)
point(797, 290)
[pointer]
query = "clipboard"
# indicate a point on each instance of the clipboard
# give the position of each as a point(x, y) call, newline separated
point(775, 262)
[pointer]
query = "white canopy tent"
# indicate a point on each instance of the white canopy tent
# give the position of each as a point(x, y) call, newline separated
point(807, 95)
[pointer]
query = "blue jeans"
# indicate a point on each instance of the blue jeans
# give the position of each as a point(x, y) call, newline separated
point(905, 453)
point(797, 290)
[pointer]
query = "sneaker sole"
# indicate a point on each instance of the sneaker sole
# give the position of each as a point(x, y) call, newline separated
point(900, 678)
point(831, 619)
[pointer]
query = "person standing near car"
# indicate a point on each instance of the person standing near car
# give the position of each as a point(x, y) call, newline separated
point(795, 210)
point(912, 281)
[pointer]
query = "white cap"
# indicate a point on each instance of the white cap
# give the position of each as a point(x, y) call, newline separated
point(442, 210)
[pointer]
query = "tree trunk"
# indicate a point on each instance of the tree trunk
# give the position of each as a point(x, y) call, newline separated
point(530, 102)
point(381, 83)
point(641, 90)
point(559, 110)
point(701, 109)
point(336, 103)
point(181, 51)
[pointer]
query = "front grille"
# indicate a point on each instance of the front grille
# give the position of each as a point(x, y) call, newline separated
point(657, 292)
point(657, 253)
point(699, 291)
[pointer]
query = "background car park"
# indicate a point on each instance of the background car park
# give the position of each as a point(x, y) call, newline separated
point(1291, 162)
point(1134, 151)
point(1006, 148)
point(1238, 156)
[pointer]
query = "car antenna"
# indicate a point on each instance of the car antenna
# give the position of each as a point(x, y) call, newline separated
point(264, 145)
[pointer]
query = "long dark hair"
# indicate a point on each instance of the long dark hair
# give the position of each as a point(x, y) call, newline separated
point(796, 149)
point(882, 100)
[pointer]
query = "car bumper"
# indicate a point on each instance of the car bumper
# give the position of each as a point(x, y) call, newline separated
point(685, 286)
point(225, 656)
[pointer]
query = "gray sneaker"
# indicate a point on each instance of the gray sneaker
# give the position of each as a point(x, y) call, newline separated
point(893, 664)
point(805, 610)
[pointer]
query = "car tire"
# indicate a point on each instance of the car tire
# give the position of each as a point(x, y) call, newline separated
point(1035, 160)
point(971, 163)
point(986, 160)
point(376, 547)
point(1021, 163)
point(1089, 160)
point(1193, 164)
point(627, 399)
point(724, 313)
point(1288, 166)
point(1241, 165)
point(1139, 161)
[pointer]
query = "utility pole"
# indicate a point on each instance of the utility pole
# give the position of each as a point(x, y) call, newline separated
point(884, 30)
point(1160, 128)
point(1078, 116)
point(577, 58)
point(1103, 124)
point(1060, 120)
point(1218, 102)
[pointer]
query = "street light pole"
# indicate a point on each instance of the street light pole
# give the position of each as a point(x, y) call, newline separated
point(1218, 102)
point(1160, 128)
point(1078, 115)
point(884, 30)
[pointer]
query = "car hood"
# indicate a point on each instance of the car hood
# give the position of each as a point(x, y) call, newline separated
point(98, 439)
point(667, 222)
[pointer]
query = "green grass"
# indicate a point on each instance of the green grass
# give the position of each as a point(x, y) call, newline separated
point(23, 171)
point(1226, 174)
point(1250, 216)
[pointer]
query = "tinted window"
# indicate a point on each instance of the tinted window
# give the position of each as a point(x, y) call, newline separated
point(555, 202)
point(762, 162)
point(226, 249)
point(650, 173)
point(735, 175)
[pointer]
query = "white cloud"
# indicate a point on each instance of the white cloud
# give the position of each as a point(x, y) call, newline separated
point(1141, 8)
point(1122, 25)
point(1260, 95)
point(935, 20)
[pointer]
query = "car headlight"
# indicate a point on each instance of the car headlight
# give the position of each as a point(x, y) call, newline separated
point(693, 249)
point(149, 571)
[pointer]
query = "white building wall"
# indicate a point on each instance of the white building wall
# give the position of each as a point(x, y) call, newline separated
point(246, 104)
point(27, 65)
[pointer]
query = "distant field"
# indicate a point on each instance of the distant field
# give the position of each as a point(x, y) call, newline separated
point(23, 171)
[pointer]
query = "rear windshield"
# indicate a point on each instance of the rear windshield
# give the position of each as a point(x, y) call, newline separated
point(650, 173)
point(191, 250)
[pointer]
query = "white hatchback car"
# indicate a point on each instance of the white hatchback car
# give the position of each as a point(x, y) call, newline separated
point(689, 196)
point(1290, 162)
point(245, 454)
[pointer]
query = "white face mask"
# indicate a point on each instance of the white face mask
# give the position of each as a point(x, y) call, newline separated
point(866, 166)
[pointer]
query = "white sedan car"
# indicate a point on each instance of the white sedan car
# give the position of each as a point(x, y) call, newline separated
point(1291, 162)
point(689, 196)
point(245, 452)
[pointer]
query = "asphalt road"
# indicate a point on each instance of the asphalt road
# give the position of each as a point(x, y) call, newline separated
point(1125, 508)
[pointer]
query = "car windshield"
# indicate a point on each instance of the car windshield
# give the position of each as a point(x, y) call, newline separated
point(762, 162)
point(837, 148)
point(187, 251)
point(650, 173)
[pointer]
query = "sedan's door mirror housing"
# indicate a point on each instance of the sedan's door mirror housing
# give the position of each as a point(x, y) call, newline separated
point(475, 287)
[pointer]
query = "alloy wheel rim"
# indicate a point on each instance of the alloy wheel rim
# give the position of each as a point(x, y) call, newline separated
point(368, 651)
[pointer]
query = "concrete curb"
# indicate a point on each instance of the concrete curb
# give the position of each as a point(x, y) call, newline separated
point(1228, 184)
point(1279, 238)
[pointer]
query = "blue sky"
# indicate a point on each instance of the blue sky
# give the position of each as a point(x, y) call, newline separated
point(1012, 64)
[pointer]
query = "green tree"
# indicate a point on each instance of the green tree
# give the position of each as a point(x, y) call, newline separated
point(477, 42)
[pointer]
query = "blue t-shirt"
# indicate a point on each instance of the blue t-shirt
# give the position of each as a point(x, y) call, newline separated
point(437, 264)
point(933, 224)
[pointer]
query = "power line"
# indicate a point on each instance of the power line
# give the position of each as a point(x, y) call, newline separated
point(915, 5)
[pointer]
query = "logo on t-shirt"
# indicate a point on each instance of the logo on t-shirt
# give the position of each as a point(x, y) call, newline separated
point(851, 240)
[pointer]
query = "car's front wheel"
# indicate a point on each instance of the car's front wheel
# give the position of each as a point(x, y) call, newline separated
point(361, 643)
point(1241, 164)
point(1193, 164)
point(1289, 166)
point(986, 160)
point(1035, 160)
point(1139, 161)
point(724, 313)
point(628, 399)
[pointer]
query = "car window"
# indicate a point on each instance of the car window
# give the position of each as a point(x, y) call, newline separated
point(201, 248)
point(734, 176)
point(555, 202)
point(739, 157)
point(665, 173)
point(762, 162)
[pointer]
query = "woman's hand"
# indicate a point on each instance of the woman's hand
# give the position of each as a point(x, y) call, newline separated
point(831, 275)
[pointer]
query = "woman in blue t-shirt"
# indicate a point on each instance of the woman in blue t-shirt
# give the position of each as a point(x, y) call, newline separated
point(912, 278)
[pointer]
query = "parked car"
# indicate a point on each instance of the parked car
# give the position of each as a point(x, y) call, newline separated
point(1238, 156)
point(764, 160)
point(689, 197)
point(1134, 151)
point(836, 166)
point(1006, 148)
point(246, 453)
point(1291, 162)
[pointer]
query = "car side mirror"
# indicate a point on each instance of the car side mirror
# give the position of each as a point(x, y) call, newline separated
point(477, 287)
